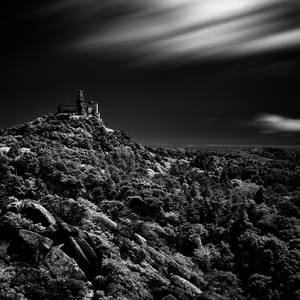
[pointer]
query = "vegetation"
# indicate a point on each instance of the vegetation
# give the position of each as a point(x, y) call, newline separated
point(167, 223)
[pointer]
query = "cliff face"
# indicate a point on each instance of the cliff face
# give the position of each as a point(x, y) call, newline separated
point(87, 213)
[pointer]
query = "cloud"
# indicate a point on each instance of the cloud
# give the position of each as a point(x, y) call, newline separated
point(271, 123)
point(156, 30)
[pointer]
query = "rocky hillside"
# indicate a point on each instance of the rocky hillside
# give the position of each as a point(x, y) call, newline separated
point(87, 213)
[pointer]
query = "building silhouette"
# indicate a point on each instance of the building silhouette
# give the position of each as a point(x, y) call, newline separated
point(82, 107)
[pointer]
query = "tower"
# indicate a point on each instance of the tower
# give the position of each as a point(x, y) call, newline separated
point(82, 107)
point(80, 102)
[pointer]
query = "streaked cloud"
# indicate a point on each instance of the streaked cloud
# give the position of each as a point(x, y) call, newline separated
point(271, 123)
point(156, 30)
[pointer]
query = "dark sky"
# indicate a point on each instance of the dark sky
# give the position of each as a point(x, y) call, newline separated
point(176, 72)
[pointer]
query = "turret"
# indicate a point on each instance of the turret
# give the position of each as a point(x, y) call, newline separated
point(80, 102)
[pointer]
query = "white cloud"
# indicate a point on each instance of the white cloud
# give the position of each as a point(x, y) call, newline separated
point(280, 40)
point(271, 123)
point(187, 29)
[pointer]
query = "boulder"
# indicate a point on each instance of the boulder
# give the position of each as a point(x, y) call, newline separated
point(14, 207)
point(150, 173)
point(185, 285)
point(62, 231)
point(101, 219)
point(31, 210)
point(37, 213)
point(107, 222)
point(61, 265)
point(140, 240)
point(101, 246)
point(177, 269)
point(29, 246)
point(210, 296)
point(171, 218)
point(88, 251)
point(85, 256)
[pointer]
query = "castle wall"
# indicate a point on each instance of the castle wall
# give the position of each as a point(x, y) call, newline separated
point(67, 109)
point(82, 108)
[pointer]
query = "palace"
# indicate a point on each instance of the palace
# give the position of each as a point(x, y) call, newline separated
point(82, 107)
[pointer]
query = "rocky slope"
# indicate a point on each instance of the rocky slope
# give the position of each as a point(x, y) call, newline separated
point(87, 213)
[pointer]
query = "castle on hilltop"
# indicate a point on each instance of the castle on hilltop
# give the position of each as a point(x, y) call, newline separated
point(82, 107)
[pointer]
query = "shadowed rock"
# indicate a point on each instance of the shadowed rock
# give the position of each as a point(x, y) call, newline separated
point(142, 208)
point(33, 211)
point(87, 250)
point(61, 265)
point(62, 231)
point(73, 249)
point(29, 246)
point(37, 213)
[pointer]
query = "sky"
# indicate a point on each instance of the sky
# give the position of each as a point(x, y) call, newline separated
point(172, 72)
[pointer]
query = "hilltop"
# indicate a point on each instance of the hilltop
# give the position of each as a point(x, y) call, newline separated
point(88, 213)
